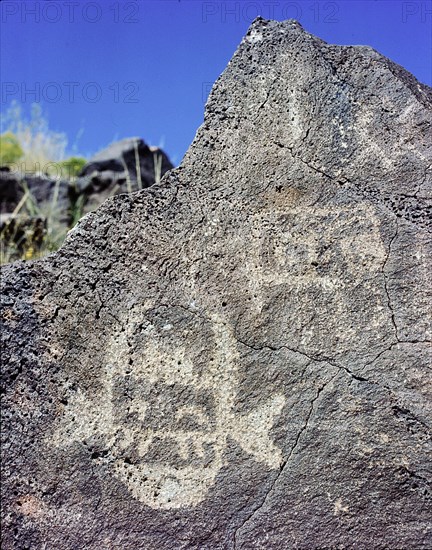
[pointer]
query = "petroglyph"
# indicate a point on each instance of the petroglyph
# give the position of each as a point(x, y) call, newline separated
point(183, 399)
point(246, 313)
point(290, 244)
point(323, 248)
point(315, 263)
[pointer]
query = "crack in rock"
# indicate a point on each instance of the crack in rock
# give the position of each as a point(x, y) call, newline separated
point(386, 280)
point(303, 429)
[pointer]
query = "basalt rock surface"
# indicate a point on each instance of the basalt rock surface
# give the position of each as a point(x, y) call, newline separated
point(239, 357)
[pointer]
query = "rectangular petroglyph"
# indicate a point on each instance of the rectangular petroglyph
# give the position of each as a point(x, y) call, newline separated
point(315, 246)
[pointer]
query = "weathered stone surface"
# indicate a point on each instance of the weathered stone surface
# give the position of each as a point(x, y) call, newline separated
point(239, 357)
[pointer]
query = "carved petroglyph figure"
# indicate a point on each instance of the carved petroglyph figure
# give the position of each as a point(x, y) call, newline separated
point(324, 248)
point(167, 443)
point(289, 243)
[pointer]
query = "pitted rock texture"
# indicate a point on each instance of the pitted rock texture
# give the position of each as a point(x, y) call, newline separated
point(239, 357)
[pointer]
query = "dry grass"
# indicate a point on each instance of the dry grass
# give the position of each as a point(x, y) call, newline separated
point(42, 148)
point(34, 230)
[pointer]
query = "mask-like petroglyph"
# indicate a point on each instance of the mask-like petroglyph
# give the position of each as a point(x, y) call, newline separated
point(167, 408)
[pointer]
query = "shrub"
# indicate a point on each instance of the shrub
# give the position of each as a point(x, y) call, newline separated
point(10, 149)
point(72, 166)
point(42, 148)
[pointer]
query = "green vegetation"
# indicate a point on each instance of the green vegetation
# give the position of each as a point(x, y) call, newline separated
point(28, 146)
point(72, 166)
point(10, 149)
point(42, 148)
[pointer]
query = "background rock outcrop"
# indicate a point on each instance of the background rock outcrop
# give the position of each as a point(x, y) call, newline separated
point(36, 205)
point(239, 356)
point(13, 186)
point(124, 166)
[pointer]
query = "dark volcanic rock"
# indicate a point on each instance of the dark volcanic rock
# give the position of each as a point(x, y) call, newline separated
point(126, 165)
point(45, 191)
point(10, 191)
point(239, 357)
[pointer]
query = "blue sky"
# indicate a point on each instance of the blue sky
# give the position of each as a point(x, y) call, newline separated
point(106, 70)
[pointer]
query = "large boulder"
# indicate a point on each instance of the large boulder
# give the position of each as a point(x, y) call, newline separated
point(238, 357)
point(124, 166)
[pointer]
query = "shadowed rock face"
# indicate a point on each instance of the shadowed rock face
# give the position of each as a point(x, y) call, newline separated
point(238, 357)
point(126, 165)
